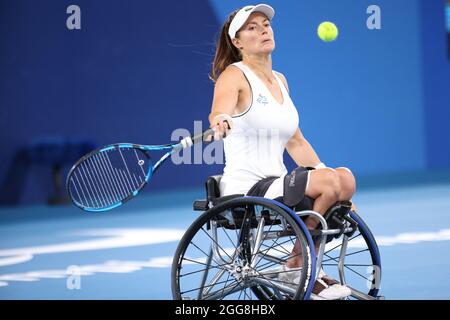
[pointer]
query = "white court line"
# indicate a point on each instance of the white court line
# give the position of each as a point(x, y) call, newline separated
point(110, 239)
point(120, 238)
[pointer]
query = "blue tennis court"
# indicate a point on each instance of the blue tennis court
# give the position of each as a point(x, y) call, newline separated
point(127, 253)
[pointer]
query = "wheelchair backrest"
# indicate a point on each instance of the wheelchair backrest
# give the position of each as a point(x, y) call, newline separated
point(212, 188)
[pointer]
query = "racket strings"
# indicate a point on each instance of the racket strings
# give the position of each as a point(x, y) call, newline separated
point(106, 178)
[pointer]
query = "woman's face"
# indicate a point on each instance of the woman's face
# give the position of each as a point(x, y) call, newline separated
point(256, 35)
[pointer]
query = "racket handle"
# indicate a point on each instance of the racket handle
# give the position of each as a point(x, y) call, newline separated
point(204, 136)
point(189, 141)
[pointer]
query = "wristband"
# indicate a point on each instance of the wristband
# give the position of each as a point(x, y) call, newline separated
point(320, 166)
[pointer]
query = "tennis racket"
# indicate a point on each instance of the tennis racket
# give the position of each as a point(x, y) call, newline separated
point(109, 176)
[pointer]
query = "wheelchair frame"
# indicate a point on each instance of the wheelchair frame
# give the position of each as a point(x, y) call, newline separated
point(344, 224)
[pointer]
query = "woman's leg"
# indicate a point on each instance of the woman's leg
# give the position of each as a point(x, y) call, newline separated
point(347, 183)
point(325, 187)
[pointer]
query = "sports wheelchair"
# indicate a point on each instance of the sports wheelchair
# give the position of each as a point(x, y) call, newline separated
point(238, 247)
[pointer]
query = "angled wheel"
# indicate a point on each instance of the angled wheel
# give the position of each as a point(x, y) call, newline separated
point(356, 261)
point(237, 250)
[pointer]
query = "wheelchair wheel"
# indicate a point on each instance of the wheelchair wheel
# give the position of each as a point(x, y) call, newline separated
point(355, 261)
point(237, 250)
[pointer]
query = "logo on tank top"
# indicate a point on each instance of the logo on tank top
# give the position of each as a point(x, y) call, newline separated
point(262, 99)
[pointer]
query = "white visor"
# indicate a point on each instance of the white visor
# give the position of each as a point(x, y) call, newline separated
point(241, 17)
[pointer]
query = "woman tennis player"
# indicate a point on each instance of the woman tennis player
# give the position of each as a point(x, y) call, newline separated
point(265, 122)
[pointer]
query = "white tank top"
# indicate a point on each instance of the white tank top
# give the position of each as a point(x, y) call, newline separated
point(254, 149)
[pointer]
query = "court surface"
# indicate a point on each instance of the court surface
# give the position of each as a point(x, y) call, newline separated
point(127, 253)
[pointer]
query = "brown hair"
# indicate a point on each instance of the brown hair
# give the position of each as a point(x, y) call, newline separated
point(226, 52)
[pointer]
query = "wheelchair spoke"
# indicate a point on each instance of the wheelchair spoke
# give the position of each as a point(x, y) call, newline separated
point(211, 285)
point(227, 289)
point(347, 255)
point(250, 295)
point(246, 294)
point(229, 238)
point(359, 274)
point(201, 270)
point(270, 259)
point(285, 241)
point(239, 298)
point(356, 252)
point(219, 264)
point(226, 233)
point(270, 262)
point(282, 258)
point(273, 248)
point(350, 269)
point(339, 245)
point(281, 244)
point(206, 286)
point(223, 289)
point(219, 246)
point(267, 265)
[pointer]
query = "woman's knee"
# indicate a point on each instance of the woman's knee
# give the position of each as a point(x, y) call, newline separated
point(332, 179)
point(347, 181)
point(327, 183)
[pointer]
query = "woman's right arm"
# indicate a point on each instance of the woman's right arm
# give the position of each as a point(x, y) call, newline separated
point(226, 94)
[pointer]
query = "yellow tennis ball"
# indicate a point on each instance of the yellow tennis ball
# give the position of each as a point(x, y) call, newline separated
point(327, 31)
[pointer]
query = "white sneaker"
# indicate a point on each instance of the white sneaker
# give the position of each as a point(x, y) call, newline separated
point(327, 288)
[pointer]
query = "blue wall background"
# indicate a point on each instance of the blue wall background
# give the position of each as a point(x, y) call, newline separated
point(376, 101)
point(436, 89)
